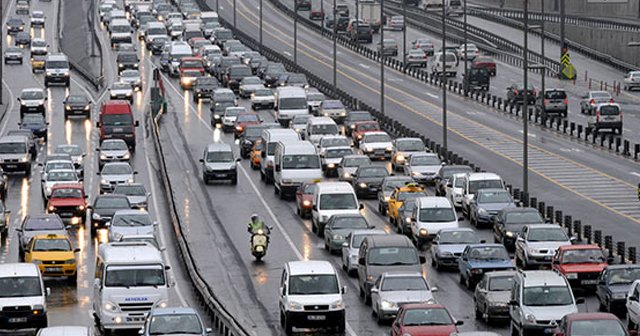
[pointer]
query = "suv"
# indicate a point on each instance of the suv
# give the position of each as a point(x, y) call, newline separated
point(553, 101)
point(444, 65)
point(15, 154)
point(27, 304)
point(537, 244)
point(311, 296)
point(539, 299)
point(218, 162)
point(56, 69)
point(605, 115)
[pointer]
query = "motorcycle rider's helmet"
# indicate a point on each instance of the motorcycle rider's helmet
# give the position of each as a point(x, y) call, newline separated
point(254, 217)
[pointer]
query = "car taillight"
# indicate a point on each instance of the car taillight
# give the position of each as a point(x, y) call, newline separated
point(566, 101)
point(545, 102)
point(592, 102)
point(535, 93)
point(515, 92)
point(598, 116)
point(611, 101)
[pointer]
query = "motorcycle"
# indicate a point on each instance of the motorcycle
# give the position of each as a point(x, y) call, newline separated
point(260, 243)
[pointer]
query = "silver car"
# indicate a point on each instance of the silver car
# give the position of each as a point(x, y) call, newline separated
point(492, 295)
point(631, 80)
point(422, 167)
point(13, 55)
point(351, 249)
point(132, 77)
point(114, 173)
point(349, 164)
point(331, 157)
point(76, 153)
point(537, 244)
point(393, 289)
point(130, 222)
point(55, 177)
point(121, 90)
point(589, 101)
point(448, 245)
point(136, 194)
point(113, 150)
point(249, 85)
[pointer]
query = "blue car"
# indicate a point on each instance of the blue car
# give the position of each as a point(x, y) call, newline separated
point(488, 203)
point(36, 123)
point(613, 286)
point(448, 246)
point(478, 259)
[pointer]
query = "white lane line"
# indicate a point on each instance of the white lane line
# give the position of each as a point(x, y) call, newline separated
point(364, 66)
point(634, 173)
point(434, 96)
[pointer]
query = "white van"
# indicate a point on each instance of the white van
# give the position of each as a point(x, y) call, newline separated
point(22, 293)
point(270, 138)
point(430, 215)
point(318, 127)
point(208, 17)
point(120, 32)
point(476, 181)
point(290, 101)
point(153, 30)
point(178, 50)
point(311, 296)
point(444, 65)
point(295, 163)
point(130, 280)
point(331, 198)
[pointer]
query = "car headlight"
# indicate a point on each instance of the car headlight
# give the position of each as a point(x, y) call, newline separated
point(80, 207)
point(128, 94)
point(103, 181)
point(120, 65)
point(331, 165)
point(482, 212)
point(96, 216)
point(388, 304)
point(400, 158)
point(48, 190)
point(338, 237)
point(239, 128)
point(70, 261)
point(24, 159)
point(446, 254)
point(572, 275)
point(476, 271)
point(362, 185)
point(294, 306)
point(51, 208)
point(135, 65)
point(417, 174)
point(370, 150)
point(389, 149)
point(353, 126)
point(162, 304)
point(126, 156)
point(423, 232)
point(387, 198)
point(619, 296)
point(509, 234)
point(306, 203)
point(103, 157)
point(108, 306)
point(338, 304)
point(130, 180)
point(532, 250)
point(530, 318)
point(407, 219)
point(346, 175)
point(216, 116)
point(68, 108)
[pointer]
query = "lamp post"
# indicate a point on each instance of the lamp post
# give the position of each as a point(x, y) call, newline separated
point(525, 107)
point(234, 14)
point(381, 56)
point(404, 31)
point(335, 48)
point(443, 81)
point(92, 18)
point(295, 32)
point(465, 46)
point(260, 26)
point(1, 63)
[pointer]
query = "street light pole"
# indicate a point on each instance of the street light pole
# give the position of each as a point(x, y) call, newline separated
point(92, 18)
point(295, 32)
point(404, 31)
point(444, 80)
point(562, 19)
point(544, 70)
point(465, 47)
point(234, 14)
point(525, 107)
point(381, 56)
point(335, 48)
point(260, 26)
point(1, 63)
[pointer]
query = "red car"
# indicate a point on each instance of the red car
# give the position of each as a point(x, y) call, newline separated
point(304, 199)
point(485, 62)
point(580, 264)
point(422, 319)
point(578, 324)
point(362, 127)
point(190, 69)
point(69, 202)
point(243, 120)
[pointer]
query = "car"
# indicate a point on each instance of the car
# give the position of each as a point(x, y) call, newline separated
point(77, 104)
point(66, 331)
point(36, 124)
point(38, 63)
point(136, 194)
point(605, 116)
point(352, 118)
point(476, 79)
point(340, 226)
point(113, 150)
point(132, 77)
point(367, 180)
point(332, 141)
point(424, 44)
point(349, 164)
point(229, 117)
point(351, 248)
point(444, 64)
point(103, 208)
point(314, 100)
point(30, 140)
point(631, 80)
point(633, 305)
point(334, 109)
point(203, 87)
point(68, 201)
point(13, 55)
point(243, 120)
point(22, 7)
point(448, 244)
point(218, 162)
point(55, 162)
point(492, 296)
point(591, 324)
point(331, 157)
point(130, 221)
point(14, 25)
point(422, 167)
point(57, 176)
point(387, 188)
point(262, 98)
point(376, 145)
point(580, 264)
point(362, 127)
point(39, 46)
point(174, 320)
point(508, 224)
point(613, 285)
point(444, 177)
point(515, 94)
point(127, 60)
point(485, 62)
point(536, 244)
point(396, 22)
point(250, 135)
point(399, 195)
point(114, 173)
point(403, 149)
point(470, 52)
point(297, 80)
point(220, 100)
point(235, 74)
point(248, 85)
point(33, 225)
point(388, 47)
point(471, 183)
point(424, 319)
point(121, 90)
point(416, 58)
point(54, 255)
point(553, 101)
point(22, 39)
point(486, 204)
point(304, 199)
point(157, 44)
point(32, 100)
point(405, 214)
point(589, 101)
point(393, 289)
point(16, 154)
point(477, 259)
point(299, 123)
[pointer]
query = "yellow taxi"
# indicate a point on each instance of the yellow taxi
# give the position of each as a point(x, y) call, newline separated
point(54, 255)
point(255, 155)
point(410, 190)
point(37, 63)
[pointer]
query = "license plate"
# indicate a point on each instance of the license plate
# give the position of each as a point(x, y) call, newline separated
point(135, 319)
point(53, 269)
point(316, 317)
point(66, 214)
point(118, 129)
point(11, 166)
point(17, 319)
point(221, 175)
point(589, 282)
point(547, 258)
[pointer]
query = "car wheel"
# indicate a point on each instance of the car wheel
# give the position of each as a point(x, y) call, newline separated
point(469, 283)
point(383, 210)
point(478, 312)
point(461, 279)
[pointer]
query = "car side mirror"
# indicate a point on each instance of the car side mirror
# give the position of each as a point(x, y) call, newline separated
point(278, 167)
point(459, 322)
point(361, 206)
point(208, 330)
point(579, 300)
point(283, 290)
point(633, 298)
point(98, 124)
point(135, 173)
point(136, 123)
point(314, 207)
point(361, 261)
point(263, 154)
point(201, 160)
point(344, 290)
point(423, 259)
point(375, 290)
point(76, 250)
point(345, 244)
point(514, 303)
point(238, 160)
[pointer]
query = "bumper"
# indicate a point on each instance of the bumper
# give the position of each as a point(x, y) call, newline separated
point(15, 166)
point(322, 319)
point(129, 139)
point(58, 270)
point(583, 283)
point(32, 109)
point(77, 111)
point(68, 213)
point(604, 124)
point(368, 191)
point(378, 154)
point(119, 321)
point(539, 259)
point(537, 329)
point(449, 262)
point(498, 312)
point(57, 79)
point(268, 104)
point(336, 244)
point(20, 321)
point(221, 175)
point(16, 59)
point(388, 314)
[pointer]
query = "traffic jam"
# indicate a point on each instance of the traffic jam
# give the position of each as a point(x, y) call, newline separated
point(338, 167)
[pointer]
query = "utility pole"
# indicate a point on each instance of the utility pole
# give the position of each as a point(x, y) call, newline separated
point(466, 74)
point(562, 19)
point(260, 26)
point(335, 48)
point(234, 14)
point(544, 69)
point(404, 31)
point(381, 56)
point(525, 107)
point(295, 32)
point(1, 63)
point(444, 77)
point(92, 19)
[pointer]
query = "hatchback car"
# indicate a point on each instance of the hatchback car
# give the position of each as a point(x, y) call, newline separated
point(424, 319)
point(631, 80)
point(132, 77)
point(304, 199)
point(55, 177)
point(388, 47)
point(136, 194)
point(492, 295)
point(173, 321)
point(54, 256)
point(393, 289)
point(367, 180)
point(39, 46)
point(22, 39)
point(115, 173)
point(121, 90)
point(113, 150)
point(425, 44)
point(32, 100)
point(589, 101)
point(448, 245)
point(128, 222)
point(387, 188)
point(36, 124)
point(339, 227)
point(33, 225)
point(204, 87)
point(376, 145)
point(553, 101)
point(349, 164)
point(422, 167)
point(487, 203)
point(614, 285)
point(477, 259)
point(219, 163)
point(13, 55)
point(77, 104)
point(416, 58)
point(69, 202)
point(508, 224)
point(537, 244)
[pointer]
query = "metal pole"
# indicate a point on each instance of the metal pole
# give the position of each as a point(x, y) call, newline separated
point(562, 19)
point(443, 82)
point(92, 18)
point(295, 33)
point(544, 69)
point(404, 31)
point(381, 56)
point(217, 7)
point(1, 63)
point(525, 108)
point(357, 13)
point(234, 14)
point(335, 48)
point(260, 26)
point(465, 47)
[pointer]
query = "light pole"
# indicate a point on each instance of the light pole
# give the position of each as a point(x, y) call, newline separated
point(542, 47)
point(381, 56)
point(260, 26)
point(295, 32)
point(525, 107)
point(404, 31)
point(443, 81)
point(92, 18)
point(335, 48)
point(465, 46)
point(1, 53)
point(234, 14)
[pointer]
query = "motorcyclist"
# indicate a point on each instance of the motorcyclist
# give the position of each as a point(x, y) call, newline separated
point(256, 224)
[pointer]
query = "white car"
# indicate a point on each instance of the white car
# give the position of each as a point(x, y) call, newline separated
point(76, 153)
point(454, 189)
point(537, 244)
point(376, 145)
point(113, 150)
point(37, 19)
point(471, 53)
point(229, 117)
point(299, 123)
point(57, 165)
point(55, 177)
point(422, 167)
point(249, 85)
point(331, 157)
point(121, 90)
point(132, 77)
point(262, 98)
point(444, 65)
point(631, 80)
point(39, 47)
point(393, 289)
point(329, 141)
point(115, 173)
point(131, 222)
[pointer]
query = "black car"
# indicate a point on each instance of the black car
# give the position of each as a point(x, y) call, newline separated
point(353, 117)
point(77, 104)
point(23, 39)
point(272, 73)
point(220, 69)
point(203, 87)
point(477, 79)
point(368, 179)
point(36, 124)
point(515, 94)
point(250, 135)
point(157, 44)
point(15, 25)
point(235, 74)
point(303, 5)
point(443, 176)
point(508, 224)
point(103, 208)
point(127, 60)
point(613, 286)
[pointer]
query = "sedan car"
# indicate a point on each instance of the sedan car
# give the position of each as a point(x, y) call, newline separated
point(115, 173)
point(37, 19)
point(422, 167)
point(389, 185)
point(32, 100)
point(340, 226)
point(477, 259)
point(22, 39)
point(262, 98)
point(578, 324)
point(36, 124)
point(37, 63)
point(173, 321)
point(492, 296)
point(33, 225)
point(333, 109)
point(330, 159)
point(13, 55)
point(129, 222)
point(393, 289)
point(424, 44)
point(448, 245)
point(508, 224)
point(136, 194)
point(132, 77)
point(77, 104)
point(376, 145)
point(515, 94)
point(121, 90)
point(203, 87)
point(362, 127)
point(470, 52)
point(631, 80)
point(113, 150)
point(424, 319)
point(416, 58)
point(55, 177)
point(249, 85)
point(388, 47)
point(349, 164)
point(613, 286)
point(14, 25)
point(69, 202)
point(351, 248)
point(589, 101)
point(103, 208)
point(396, 22)
point(367, 180)
point(487, 203)
point(39, 46)
point(243, 120)
point(403, 149)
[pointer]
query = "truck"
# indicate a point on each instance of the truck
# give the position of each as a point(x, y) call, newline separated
point(369, 13)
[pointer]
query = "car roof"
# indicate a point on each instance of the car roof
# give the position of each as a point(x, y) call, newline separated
point(483, 176)
point(12, 138)
point(540, 277)
point(389, 240)
point(310, 267)
point(434, 201)
point(64, 331)
point(173, 310)
point(68, 186)
point(580, 247)
point(128, 252)
point(590, 316)
point(18, 269)
point(219, 147)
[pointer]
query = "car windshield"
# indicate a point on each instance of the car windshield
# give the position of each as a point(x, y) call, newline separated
point(224, 35)
point(72, 150)
point(392, 184)
point(293, 103)
point(404, 283)
point(13, 50)
point(57, 64)
point(61, 176)
point(609, 110)
point(40, 245)
point(392, 256)
point(114, 145)
point(437, 215)
point(32, 95)
point(546, 234)
point(138, 276)
point(220, 156)
point(13, 148)
point(407, 195)
point(501, 196)
point(247, 118)
point(448, 171)
point(377, 138)
point(300, 119)
point(457, 237)
point(300, 161)
point(597, 327)
point(522, 217)
point(373, 171)
point(111, 203)
point(43, 223)
point(141, 219)
point(116, 169)
point(66, 193)
point(55, 165)
point(338, 202)
point(20, 286)
point(315, 96)
point(359, 116)
point(488, 253)
point(601, 94)
point(426, 316)
point(627, 275)
point(165, 324)
point(251, 81)
point(369, 127)
point(263, 93)
point(332, 104)
point(474, 186)
point(33, 119)
point(253, 132)
point(117, 119)
point(313, 284)
point(350, 223)
point(338, 153)
point(547, 296)
point(334, 142)
point(75, 99)
point(425, 160)
point(410, 145)
point(324, 129)
point(356, 162)
point(580, 256)
point(500, 283)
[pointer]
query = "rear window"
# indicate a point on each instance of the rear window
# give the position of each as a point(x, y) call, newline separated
point(609, 110)
point(555, 95)
point(43, 223)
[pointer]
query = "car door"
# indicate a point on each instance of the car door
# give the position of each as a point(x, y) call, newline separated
point(601, 288)
point(480, 294)
point(633, 307)
point(283, 290)
point(396, 327)
point(463, 262)
point(521, 243)
point(375, 291)
point(498, 227)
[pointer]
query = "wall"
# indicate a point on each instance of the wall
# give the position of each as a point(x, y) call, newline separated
point(629, 10)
